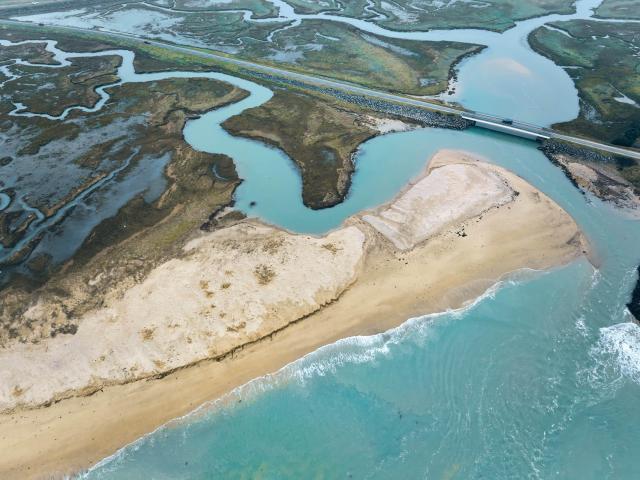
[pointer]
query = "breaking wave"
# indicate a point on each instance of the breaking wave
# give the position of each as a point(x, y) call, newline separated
point(617, 351)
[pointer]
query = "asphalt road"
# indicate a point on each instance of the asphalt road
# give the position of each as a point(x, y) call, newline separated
point(515, 127)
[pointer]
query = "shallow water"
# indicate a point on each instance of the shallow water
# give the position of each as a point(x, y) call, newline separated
point(5, 200)
point(508, 78)
point(65, 231)
point(384, 164)
point(146, 179)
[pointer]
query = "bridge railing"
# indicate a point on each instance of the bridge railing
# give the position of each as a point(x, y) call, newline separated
point(501, 120)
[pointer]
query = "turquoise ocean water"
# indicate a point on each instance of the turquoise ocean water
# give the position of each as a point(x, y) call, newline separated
point(540, 378)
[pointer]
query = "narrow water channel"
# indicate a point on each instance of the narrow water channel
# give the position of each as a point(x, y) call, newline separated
point(507, 79)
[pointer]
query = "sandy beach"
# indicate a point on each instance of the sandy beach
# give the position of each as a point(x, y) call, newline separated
point(448, 236)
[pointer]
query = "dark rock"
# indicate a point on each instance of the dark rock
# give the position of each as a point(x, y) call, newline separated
point(552, 147)
point(634, 303)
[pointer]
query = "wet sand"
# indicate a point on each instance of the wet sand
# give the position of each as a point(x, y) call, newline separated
point(456, 263)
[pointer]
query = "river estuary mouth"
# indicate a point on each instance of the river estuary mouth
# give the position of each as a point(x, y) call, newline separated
point(537, 378)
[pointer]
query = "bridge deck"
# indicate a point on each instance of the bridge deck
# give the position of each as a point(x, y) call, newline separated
point(512, 129)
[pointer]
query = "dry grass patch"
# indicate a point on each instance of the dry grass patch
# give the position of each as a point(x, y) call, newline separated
point(264, 274)
point(204, 286)
point(331, 247)
point(273, 245)
point(236, 328)
point(147, 333)
point(159, 364)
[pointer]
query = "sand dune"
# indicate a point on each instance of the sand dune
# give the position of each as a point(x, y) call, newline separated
point(231, 287)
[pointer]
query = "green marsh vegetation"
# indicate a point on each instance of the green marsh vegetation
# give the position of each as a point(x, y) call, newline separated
point(334, 50)
point(354, 8)
point(32, 53)
point(497, 15)
point(343, 52)
point(65, 87)
point(140, 122)
point(623, 9)
point(260, 8)
point(148, 58)
point(604, 61)
point(319, 135)
point(323, 48)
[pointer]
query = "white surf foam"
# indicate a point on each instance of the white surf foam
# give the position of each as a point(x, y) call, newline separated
point(581, 326)
point(620, 345)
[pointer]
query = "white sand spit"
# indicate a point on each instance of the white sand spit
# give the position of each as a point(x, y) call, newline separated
point(233, 286)
point(389, 125)
point(449, 194)
point(244, 282)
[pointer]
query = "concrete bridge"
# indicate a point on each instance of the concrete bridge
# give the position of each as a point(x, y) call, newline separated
point(509, 127)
